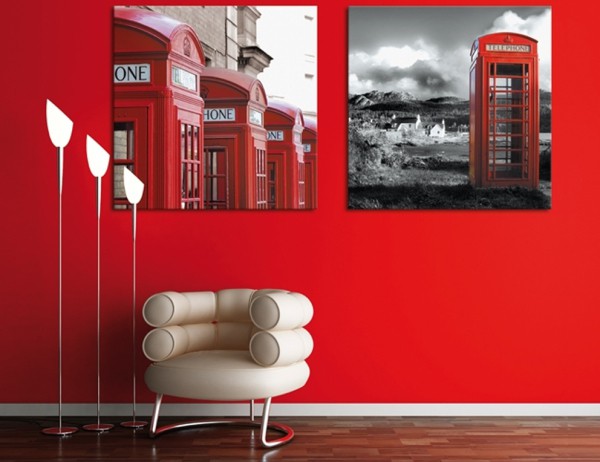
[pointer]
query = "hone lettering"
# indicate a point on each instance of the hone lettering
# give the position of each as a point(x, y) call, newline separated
point(219, 115)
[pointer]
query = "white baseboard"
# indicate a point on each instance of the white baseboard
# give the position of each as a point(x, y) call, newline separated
point(315, 410)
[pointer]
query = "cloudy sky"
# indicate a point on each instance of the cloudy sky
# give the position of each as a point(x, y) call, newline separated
point(425, 50)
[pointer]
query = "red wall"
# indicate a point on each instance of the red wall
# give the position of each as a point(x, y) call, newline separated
point(410, 306)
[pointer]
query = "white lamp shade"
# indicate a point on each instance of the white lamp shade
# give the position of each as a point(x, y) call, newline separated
point(134, 188)
point(97, 157)
point(60, 126)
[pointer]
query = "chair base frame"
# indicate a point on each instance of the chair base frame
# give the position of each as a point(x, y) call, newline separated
point(264, 425)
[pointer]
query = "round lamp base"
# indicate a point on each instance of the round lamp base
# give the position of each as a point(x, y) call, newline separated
point(59, 431)
point(135, 424)
point(98, 427)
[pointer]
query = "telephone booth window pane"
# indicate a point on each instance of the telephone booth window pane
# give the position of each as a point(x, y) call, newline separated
point(183, 166)
point(190, 167)
point(182, 141)
point(502, 83)
point(501, 128)
point(506, 113)
point(272, 185)
point(301, 185)
point(189, 143)
point(215, 178)
point(196, 169)
point(508, 98)
point(119, 185)
point(261, 179)
point(188, 156)
point(123, 141)
point(123, 157)
point(509, 69)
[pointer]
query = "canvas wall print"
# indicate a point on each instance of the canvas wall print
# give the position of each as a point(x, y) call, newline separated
point(215, 107)
point(449, 108)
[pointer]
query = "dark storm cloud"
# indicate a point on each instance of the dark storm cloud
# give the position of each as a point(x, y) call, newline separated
point(425, 50)
point(420, 72)
point(449, 27)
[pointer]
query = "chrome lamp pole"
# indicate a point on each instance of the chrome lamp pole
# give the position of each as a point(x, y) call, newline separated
point(60, 128)
point(134, 189)
point(98, 160)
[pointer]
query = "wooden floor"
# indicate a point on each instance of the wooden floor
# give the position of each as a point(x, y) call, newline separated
point(319, 439)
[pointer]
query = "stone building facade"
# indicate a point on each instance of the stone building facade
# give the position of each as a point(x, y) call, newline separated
point(280, 49)
point(227, 33)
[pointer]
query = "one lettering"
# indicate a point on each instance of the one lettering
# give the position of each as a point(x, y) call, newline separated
point(275, 135)
point(131, 73)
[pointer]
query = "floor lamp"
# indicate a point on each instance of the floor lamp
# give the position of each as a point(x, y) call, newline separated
point(60, 128)
point(134, 189)
point(98, 160)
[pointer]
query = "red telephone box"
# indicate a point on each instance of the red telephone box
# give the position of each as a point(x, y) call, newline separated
point(285, 157)
point(309, 144)
point(235, 140)
point(504, 119)
point(158, 111)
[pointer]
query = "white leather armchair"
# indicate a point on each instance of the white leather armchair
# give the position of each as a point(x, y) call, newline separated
point(232, 345)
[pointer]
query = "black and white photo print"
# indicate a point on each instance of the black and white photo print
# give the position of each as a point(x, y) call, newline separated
point(449, 107)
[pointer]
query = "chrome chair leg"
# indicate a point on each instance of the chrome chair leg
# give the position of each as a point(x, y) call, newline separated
point(287, 431)
point(264, 425)
point(252, 410)
point(155, 413)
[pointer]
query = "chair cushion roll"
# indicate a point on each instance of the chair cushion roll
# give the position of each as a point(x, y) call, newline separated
point(203, 307)
point(164, 343)
point(280, 348)
point(172, 308)
point(165, 308)
point(232, 305)
point(281, 311)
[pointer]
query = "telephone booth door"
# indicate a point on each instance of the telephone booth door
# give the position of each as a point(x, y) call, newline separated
point(504, 120)
point(234, 120)
point(509, 119)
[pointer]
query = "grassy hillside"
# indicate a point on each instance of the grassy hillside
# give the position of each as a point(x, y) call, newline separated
point(381, 108)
